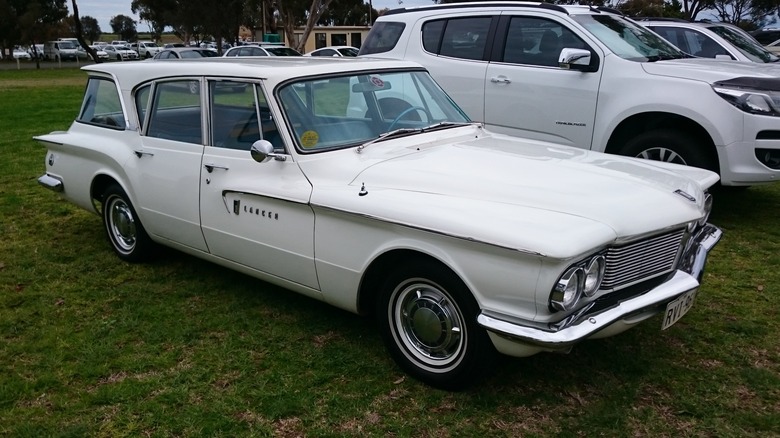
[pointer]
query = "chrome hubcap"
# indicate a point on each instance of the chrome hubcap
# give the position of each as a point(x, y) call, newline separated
point(122, 225)
point(429, 324)
point(662, 154)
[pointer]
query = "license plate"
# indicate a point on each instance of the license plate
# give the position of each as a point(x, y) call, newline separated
point(677, 308)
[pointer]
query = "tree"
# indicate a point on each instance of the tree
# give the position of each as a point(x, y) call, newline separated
point(91, 28)
point(79, 32)
point(746, 12)
point(30, 21)
point(293, 13)
point(651, 8)
point(124, 27)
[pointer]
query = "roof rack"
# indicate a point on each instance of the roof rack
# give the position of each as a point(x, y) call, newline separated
point(676, 20)
point(485, 4)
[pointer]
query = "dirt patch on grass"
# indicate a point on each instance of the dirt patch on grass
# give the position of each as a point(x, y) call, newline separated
point(8, 84)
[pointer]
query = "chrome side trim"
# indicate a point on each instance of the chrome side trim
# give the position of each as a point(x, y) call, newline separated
point(51, 182)
point(585, 324)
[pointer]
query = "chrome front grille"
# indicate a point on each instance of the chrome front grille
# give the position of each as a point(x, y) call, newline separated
point(632, 262)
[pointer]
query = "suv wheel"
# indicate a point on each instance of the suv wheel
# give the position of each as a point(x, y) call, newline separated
point(672, 147)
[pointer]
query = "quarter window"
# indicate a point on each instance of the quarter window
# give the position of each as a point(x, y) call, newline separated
point(102, 105)
point(382, 38)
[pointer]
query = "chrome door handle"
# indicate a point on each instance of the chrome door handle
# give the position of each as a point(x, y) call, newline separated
point(501, 80)
point(210, 167)
point(140, 154)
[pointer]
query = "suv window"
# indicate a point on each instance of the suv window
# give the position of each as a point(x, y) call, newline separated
point(537, 41)
point(383, 37)
point(463, 38)
point(101, 105)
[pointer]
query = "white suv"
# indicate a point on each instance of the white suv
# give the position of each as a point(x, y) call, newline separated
point(146, 49)
point(589, 77)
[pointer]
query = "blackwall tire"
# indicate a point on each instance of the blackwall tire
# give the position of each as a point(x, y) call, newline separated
point(670, 146)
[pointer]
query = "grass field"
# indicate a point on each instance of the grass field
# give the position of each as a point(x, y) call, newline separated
point(92, 346)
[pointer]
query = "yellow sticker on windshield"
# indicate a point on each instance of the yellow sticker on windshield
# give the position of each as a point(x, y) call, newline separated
point(309, 139)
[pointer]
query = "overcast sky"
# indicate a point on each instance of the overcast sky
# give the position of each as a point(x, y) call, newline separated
point(104, 10)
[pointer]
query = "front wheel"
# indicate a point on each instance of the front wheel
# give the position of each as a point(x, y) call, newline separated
point(672, 147)
point(123, 227)
point(428, 321)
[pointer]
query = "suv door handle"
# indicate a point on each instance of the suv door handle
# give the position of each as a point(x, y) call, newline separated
point(210, 167)
point(501, 80)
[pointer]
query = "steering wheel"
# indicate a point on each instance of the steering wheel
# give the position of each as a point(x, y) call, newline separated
point(407, 111)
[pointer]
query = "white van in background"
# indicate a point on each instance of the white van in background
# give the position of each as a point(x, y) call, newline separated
point(60, 50)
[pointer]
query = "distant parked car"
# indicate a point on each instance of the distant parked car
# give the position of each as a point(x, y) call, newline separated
point(712, 40)
point(20, 53)
point(261, 51)
point(120, 53)
point(101, 54)
point(146, 49)
point(36, 51)
point(185, 53)
point(173, 45)
point(337, 51)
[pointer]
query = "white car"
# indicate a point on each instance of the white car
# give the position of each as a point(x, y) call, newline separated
point(337, 51)
point(120, 53)
point(20, 53)
point(257, 50)
point(361, 184)
point(146, 49)
point(712, 40)
point(588, 77)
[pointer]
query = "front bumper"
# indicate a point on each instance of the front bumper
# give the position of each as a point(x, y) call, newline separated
point(532, 339)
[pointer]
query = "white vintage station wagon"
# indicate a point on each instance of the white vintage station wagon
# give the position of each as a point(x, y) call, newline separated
point(360, 183)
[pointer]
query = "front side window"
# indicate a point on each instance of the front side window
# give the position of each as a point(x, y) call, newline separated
point(537, 41)
point(691, 41)
point(382, 38)
point(347, 111)
point(627, 39)
point(101, 105)
point(176, 112)
point(240, 116)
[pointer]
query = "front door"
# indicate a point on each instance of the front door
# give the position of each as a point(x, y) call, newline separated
point(254, 214)
point(527, 94)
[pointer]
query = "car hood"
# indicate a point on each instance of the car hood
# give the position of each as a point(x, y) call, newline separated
point(711, 70)
point(530, 196)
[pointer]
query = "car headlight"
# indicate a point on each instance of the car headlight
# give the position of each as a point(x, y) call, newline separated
point(581, 279)
point(594, 273)
point(568, 290)
point(750, 100)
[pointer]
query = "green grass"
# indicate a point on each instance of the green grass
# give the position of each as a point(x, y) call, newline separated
point(92, 346)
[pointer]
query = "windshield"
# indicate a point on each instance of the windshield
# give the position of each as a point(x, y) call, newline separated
point(745, 44)
point(627, 39)
point(66, 45)
point(347, 111)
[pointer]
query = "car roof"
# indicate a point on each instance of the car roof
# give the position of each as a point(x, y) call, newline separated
point(276, 69)
point(565, 9)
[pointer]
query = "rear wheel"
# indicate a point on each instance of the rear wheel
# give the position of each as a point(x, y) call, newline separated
point(428, 321)
point(672, 147)
point(123, 227)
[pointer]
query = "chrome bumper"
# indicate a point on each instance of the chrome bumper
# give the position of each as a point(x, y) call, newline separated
point(687, 278)
point(51, 182)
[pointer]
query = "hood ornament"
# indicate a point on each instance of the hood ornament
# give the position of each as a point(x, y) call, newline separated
point(685, 195)
point(363, 191)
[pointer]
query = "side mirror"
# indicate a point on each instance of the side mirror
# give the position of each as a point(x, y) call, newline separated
point(574, 59)
point(263, 150)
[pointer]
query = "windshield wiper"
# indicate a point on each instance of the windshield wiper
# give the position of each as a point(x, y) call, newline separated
point(444, 125)
point(395, 133)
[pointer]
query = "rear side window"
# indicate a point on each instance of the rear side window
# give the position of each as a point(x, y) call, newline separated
point(383, 37)
point(101, 105)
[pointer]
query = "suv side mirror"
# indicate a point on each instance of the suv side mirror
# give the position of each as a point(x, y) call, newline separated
point(575, 59)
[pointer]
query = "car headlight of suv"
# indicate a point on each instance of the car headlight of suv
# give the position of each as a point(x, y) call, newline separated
point(580, 279)
point(751, 95)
